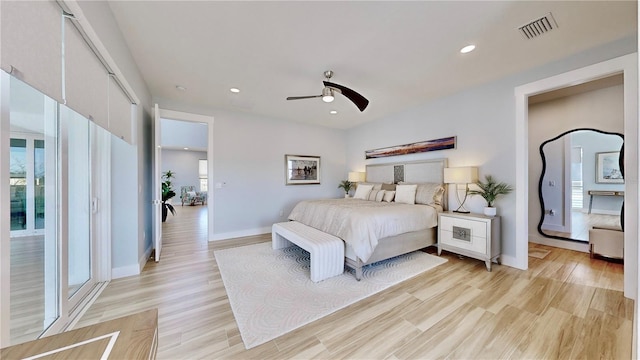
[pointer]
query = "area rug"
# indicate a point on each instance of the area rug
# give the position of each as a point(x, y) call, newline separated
point(538, 253)
point(271, 294)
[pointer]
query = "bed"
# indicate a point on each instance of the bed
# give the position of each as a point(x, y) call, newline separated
point(374, 229)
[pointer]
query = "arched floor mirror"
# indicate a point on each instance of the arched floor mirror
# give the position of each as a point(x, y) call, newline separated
point(581, 184)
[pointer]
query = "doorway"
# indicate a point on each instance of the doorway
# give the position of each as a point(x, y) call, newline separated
point(627, 65)
point(183, 140)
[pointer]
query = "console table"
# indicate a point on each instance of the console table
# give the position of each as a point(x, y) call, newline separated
point(593, 193)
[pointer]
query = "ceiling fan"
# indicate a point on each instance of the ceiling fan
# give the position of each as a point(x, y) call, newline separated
point(330, 88)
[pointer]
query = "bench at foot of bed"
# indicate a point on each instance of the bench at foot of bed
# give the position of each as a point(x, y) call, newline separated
point(327, 251)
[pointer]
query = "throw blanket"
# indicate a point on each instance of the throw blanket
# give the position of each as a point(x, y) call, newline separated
point(361, 223)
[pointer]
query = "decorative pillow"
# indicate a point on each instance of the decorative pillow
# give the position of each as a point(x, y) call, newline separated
point(406, 194)
point(429, 193)
point(380, 195)
point(191, 193)
point(389, 195)
point(376, 186)
point(373, 194)
point(362, 192)
point(390, 187)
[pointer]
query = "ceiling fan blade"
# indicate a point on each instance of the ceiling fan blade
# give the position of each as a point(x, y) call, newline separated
point(360, 101)
point(303, 97)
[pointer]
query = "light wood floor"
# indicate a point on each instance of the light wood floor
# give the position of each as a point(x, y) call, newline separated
point(566, 306)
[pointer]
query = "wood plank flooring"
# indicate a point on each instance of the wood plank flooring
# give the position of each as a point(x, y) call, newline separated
point(565, 306)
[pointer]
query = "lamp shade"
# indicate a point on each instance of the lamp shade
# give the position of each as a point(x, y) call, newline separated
point(461, 175)
point(356, 176)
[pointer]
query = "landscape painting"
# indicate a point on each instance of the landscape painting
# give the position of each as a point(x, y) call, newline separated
point(302, 170)
point(418, 147)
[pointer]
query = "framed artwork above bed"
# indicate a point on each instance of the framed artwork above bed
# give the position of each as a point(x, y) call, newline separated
point(302, 169)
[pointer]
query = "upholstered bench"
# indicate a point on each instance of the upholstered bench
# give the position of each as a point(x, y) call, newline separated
point(327, 251)
point(607, 242)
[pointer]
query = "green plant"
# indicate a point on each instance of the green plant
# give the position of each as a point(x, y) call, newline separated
point(167, 193)
point(490, 189)
point(345, 185)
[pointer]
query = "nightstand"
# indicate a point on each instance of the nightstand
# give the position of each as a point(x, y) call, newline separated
point(474, 235)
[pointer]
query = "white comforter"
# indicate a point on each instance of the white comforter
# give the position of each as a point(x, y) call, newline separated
point(361, 223)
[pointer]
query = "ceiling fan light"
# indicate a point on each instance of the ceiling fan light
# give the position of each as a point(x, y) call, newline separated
point(327, 95)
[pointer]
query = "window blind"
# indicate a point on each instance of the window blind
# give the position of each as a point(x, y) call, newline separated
point(32, 44)
point(86, 79)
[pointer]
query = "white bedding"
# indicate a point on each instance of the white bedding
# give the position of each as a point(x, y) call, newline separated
point(361, 223)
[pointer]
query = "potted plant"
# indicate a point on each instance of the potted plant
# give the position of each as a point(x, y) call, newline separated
point(167, 193)
point(489, 190)
point(346, 185)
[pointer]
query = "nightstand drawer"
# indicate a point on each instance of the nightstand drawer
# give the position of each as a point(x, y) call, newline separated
point(477, 228)
point(472, 235)
point(474, 243)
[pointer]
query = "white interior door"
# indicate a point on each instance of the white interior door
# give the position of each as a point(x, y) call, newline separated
point(157, 186)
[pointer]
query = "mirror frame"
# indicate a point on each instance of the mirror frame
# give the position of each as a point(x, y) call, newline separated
point(544, 170)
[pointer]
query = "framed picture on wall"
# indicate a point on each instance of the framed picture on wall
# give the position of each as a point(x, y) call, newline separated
point(608, 168)
point(302, 169)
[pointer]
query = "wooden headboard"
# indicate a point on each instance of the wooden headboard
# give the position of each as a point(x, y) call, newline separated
point(424, 171)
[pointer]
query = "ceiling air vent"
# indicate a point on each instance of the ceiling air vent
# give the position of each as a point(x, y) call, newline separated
point(538, 26)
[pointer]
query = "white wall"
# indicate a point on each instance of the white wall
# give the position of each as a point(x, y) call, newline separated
point(483, 119)
point(599, 109)
point(185, 165)
point(180, 134)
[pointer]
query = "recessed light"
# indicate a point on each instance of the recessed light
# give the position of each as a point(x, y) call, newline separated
point(181, 88)
point(186, 148)
point(333, 112)
point(234, 90)
point(467, 49)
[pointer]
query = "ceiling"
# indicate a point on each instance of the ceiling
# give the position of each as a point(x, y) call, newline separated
point(396, 54)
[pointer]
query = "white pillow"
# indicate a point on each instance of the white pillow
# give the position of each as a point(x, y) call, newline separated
point(429, 193)
point(406, 194)
point(373, 194)
point(376, 186)
point(389, 195)
point(380, 195)
point(191, 193)
point(362, 192)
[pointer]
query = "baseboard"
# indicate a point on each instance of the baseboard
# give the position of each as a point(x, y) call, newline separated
point(145, 257)
point(511, 261)
point(131, 270)
point(124, 271)
point(242, 233)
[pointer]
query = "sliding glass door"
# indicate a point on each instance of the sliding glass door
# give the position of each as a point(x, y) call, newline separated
point(34, 214)
point(51, 212)
point(75, 133)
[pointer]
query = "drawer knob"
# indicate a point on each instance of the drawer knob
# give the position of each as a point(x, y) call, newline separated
point(461, 233)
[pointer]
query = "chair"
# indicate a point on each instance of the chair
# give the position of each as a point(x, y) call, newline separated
point(189, 195)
